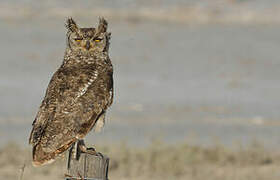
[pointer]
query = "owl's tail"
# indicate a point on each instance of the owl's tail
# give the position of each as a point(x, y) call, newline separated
point(41, 157)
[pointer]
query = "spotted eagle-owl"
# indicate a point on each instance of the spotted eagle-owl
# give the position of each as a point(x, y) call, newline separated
point(78, 94)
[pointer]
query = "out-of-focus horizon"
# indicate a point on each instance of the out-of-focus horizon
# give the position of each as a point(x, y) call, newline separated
point(184, 70)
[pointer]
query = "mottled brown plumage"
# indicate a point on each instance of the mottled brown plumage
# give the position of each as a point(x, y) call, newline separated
point(78, 94)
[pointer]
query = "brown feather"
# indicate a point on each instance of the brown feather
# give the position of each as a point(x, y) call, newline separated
point(40, 157)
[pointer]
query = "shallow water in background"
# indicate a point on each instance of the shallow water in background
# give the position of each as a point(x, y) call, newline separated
point(172, 81)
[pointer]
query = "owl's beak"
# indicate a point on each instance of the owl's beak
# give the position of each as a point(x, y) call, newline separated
point(88, 45)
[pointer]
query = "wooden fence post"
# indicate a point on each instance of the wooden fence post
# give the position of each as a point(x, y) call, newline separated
point(87, 167)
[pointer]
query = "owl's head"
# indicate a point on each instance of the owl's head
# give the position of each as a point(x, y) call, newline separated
point(88, 40)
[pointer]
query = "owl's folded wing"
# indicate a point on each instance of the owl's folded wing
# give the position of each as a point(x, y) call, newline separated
point(73, 102)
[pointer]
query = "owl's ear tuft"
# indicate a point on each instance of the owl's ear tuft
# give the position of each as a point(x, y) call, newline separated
point(71, 25)
point(102, 27)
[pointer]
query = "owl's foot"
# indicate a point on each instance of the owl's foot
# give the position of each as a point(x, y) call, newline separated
point(81, 148)
point(92, 151)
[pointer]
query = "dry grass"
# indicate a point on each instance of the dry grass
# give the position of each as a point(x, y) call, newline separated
point(158, 161)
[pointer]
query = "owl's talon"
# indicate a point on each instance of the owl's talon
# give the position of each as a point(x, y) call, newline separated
point(83, 149)
point(90, 149)
point(100, 155)
point(92, 152)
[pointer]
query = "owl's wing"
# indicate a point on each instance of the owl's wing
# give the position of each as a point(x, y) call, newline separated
point(74, 100)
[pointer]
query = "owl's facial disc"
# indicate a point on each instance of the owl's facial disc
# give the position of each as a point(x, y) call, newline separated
point(85, 43)
point(88, 39)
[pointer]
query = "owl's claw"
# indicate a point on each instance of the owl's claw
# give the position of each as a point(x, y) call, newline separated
point(100, 155)
point(91, 151)
point(81, 148)
point(84, 149)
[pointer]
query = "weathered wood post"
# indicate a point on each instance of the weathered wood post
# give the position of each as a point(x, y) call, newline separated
point(87, 167)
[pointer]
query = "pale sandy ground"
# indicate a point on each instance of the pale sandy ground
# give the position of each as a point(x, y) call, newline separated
point(158, 161)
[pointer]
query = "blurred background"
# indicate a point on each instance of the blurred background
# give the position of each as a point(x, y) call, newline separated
point(192, 73)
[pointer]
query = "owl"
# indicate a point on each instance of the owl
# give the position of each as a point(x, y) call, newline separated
point(78, 94)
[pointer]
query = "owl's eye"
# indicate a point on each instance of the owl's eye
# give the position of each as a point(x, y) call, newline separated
point(78, 39)
point(97, 39)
